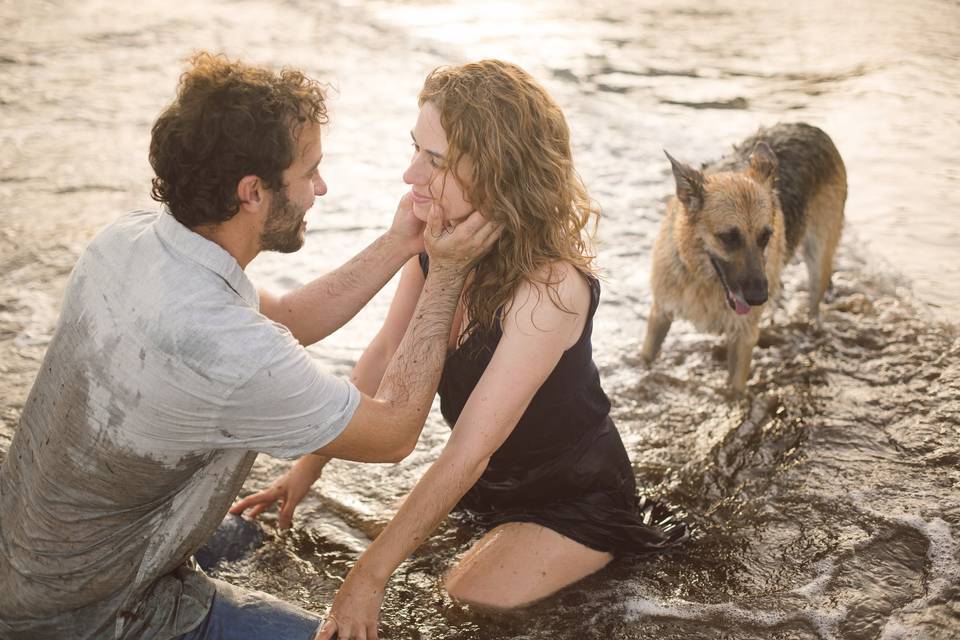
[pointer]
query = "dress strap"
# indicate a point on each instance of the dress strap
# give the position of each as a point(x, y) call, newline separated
point(424, 263)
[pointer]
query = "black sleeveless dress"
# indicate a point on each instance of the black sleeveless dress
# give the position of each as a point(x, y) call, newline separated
point(564, 466)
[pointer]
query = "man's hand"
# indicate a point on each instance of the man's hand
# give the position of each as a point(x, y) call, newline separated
point(289, 489)
point(356, 608)
point(406, 228)
point(458, 245)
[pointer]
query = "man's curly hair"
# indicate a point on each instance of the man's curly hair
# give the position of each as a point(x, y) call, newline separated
point(229, 120)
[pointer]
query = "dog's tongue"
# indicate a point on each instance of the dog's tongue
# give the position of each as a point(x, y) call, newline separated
point(741, 307)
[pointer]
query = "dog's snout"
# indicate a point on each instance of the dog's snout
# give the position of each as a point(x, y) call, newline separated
point(755, 291)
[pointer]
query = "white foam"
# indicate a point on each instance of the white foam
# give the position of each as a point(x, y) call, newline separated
point(944, 571)
point(941, 553)
point(824, 620)
point(826, 569)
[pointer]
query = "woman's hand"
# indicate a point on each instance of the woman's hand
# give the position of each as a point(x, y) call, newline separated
point(289, 489)
point(356, 608)
point(458, 244)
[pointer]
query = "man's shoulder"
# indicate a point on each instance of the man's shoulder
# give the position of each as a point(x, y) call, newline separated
point(117, 240)
point(133, 281)
point(127, 226)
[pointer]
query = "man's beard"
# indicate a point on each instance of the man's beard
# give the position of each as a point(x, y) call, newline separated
point(281, 230)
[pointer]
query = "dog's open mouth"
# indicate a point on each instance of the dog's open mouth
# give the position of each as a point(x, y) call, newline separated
point(737, 303)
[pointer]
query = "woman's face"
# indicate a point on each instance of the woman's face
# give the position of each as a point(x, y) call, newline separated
point(430, 178)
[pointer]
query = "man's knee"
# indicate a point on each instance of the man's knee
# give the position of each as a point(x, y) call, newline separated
point(240, 613)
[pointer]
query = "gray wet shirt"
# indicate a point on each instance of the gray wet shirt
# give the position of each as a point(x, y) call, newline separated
point(160, 384)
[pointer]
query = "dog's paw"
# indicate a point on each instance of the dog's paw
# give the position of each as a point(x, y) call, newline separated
point(646, 359)
point(732, 394)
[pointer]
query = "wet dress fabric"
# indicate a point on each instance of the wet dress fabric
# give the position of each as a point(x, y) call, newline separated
point(564, 466)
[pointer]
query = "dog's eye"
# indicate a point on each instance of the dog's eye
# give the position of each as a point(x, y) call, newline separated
point(731, 239)
point(764, 237)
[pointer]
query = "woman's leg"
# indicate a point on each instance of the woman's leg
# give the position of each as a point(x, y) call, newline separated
point(518, 563)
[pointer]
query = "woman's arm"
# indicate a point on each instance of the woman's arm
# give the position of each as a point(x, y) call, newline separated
point(368, 372)
point(536, 333)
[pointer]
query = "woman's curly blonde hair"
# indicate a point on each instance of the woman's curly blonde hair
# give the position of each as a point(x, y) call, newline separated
point(521, 174)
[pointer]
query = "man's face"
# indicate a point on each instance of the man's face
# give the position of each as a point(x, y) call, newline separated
point(284, 227)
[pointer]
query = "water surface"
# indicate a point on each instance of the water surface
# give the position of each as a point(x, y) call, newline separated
point(826, 502)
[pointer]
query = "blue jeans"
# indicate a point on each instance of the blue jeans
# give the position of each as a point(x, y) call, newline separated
point(239, 614)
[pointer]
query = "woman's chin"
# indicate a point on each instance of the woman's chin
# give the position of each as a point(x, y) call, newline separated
point(421, 211)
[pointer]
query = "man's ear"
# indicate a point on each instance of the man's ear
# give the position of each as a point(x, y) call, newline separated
point(250, 191)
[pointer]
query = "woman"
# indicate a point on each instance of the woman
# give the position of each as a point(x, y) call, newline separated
point(533, 451)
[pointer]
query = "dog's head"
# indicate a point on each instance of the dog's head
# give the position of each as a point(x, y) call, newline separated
point(733, 218)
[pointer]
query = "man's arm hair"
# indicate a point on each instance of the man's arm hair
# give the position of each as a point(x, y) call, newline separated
point(322, 306)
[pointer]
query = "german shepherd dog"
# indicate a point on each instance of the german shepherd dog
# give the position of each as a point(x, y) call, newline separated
point(733, 226)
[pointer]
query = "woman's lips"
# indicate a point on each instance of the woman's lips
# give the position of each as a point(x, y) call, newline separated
point(419, 199)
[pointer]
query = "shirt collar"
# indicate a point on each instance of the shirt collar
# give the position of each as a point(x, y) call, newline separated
point(207, 254)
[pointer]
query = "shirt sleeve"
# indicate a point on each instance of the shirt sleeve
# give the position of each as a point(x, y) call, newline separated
point(288, 407)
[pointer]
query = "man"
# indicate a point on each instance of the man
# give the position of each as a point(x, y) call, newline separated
point(167, 372)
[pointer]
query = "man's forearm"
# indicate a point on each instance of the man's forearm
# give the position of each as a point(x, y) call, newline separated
point(322, 306)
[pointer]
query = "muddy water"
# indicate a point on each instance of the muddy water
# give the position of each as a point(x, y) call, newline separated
point(826, 503)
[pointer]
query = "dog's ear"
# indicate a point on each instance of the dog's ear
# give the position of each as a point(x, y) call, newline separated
point(689, 185)
point(764, 163)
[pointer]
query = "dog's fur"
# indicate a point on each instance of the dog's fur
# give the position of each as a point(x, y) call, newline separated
point(786, 184)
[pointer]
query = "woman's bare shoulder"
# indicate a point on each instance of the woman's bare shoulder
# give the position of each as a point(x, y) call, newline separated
point(555, 297)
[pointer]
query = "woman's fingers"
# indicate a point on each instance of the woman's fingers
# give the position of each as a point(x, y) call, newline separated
point(265, 498)
point(328, 630)
point(285, 518)
point(349, 630)
point(480, 227)
point(479, 232)
point(489, 234)
point(435, 221)
point(257, 510)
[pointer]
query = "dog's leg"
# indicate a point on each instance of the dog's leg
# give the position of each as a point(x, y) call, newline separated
point(658, 325)
point(739, 351)
point(819, 268)
point(825, 214)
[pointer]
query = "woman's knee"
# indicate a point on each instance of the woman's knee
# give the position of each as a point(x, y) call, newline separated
point(466, 589)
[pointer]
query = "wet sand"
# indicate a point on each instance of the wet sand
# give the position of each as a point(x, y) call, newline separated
point(826, 502)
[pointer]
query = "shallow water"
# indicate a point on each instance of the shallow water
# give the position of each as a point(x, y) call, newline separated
point(826, 503)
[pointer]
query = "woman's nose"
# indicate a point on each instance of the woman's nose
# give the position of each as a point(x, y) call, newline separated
point(415, 174)
point(319, 186)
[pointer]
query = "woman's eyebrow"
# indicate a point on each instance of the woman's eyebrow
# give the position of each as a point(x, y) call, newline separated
point(438, 156)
